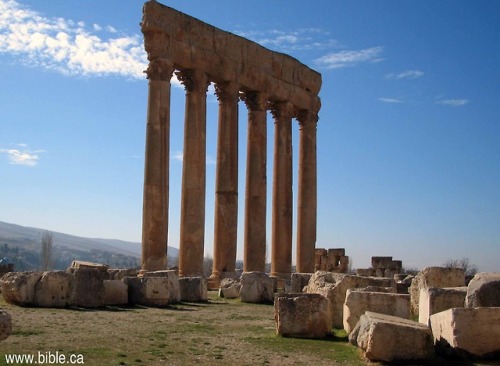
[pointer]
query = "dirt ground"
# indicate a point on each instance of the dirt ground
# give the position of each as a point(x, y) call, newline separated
point(220, 332)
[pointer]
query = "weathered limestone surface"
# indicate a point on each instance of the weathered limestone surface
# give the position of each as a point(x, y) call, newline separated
point(388, 338)
point(158, 288)
point(483, 291)
point(102, 268)
point(115, 292)
point(358, 302)
point(19, 287)
point(302, 315)
point(87, 290)
point(256, 287)
point(5, 325)
point(334, 286)
point(434, 300)
point(229, 288)
point(53, 290)
point(193, 288)
point(120, 274)
point(434, 277)
point(467, 332)
point(298, 281)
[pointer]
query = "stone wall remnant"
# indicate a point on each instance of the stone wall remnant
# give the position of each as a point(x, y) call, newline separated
point(331, 260)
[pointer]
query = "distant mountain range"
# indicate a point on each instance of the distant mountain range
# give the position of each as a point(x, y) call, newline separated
point(24, 242)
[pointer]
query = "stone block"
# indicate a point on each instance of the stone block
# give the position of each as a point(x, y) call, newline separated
point(434, 300)
point(256, 287)
point(381, 262)
point(120, 274)
point(19, 287)
point(387, 338)
point(5, 325)
point(336, 252)
point(358, 302)
point(53, 290)
point(88, 288)
point(365, 272)
point(229, 288)
point(193, 289)
point(483, 291)
point(154, 291)
point(334, 286)
point(102, 268)
point(466, 332)
point(298, 281)
point(434, 277)
point(302, 315)
point(115, 292)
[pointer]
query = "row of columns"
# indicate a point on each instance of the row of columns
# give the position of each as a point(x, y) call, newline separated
point(155, 209)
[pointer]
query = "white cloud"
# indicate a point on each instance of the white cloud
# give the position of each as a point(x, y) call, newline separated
point(179, 156)
point(453, 102)
point(410, 74)
point(22, 155)
point(350, 58)
point(67, 46)
point(390, 100)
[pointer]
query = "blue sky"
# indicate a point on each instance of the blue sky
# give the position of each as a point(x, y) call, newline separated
point(408, 136)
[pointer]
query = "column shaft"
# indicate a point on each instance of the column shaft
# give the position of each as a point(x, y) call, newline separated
point(192, 231)
point(226, 181)
point(307, 193)
point(156, 168)
point(255, 188)
point(281, 257)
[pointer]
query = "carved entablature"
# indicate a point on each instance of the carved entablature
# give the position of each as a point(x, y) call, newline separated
point(192, 44)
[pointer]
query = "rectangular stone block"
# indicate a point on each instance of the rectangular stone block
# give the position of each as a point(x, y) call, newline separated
point(302, 315)
point(381, 262)
point(193, 289)
point(54, 289)
point(434, 300)
point(115, 292)
point(299, 281)
point(466, 332)
point(358, 302)
point(152, 290)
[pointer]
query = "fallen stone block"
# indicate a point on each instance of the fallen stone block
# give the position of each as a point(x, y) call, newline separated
point(256, 287)
point(334, 286)
point(434, 300)
point(193, 289)
point(102, 268)
point(159, 288)
point(115, 292)
point(483, 291)
point(88, 288)
point(357, 302)
point(302, 315)
point(5, 325)
point(229, 288)
point(387, 338)
point(438, 277)
point(19, 287)
point(53, 290)
point(298, 281)
point(467, 332)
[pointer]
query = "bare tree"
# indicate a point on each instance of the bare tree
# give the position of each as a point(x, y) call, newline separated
point(208, 263)
point(464, 263)
point(46, 251)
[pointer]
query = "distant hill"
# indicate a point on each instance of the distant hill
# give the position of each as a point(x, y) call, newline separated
point(22, 244)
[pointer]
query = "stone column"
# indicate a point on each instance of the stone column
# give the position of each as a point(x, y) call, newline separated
point(307, 193)
point(192, 232)
point(281, 255)
point(156, 169)
point(255, 188)
point(226, 181)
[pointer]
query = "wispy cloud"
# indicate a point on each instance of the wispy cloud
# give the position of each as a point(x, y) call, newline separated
point(350, 58)
point(179, 156)
point(390, 100)
point(453, 102)
point(67, 46)
point(22, 155)
point(410, 74)
point(305, 39)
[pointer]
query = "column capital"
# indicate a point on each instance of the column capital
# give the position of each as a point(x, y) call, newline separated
point(282, 110)
point(160, 69)
point(227, 90)
point(194, 80)
point(307, 119)
point(255, 100)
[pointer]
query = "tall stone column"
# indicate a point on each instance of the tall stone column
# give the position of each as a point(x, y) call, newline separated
point(307, 193)
point(192, 232)
point(255, 188)
point(156, 169)
point(281, 255)
point(226, 181)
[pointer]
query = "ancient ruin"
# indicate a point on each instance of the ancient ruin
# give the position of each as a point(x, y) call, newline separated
point(331, 260)
point(200, 54)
